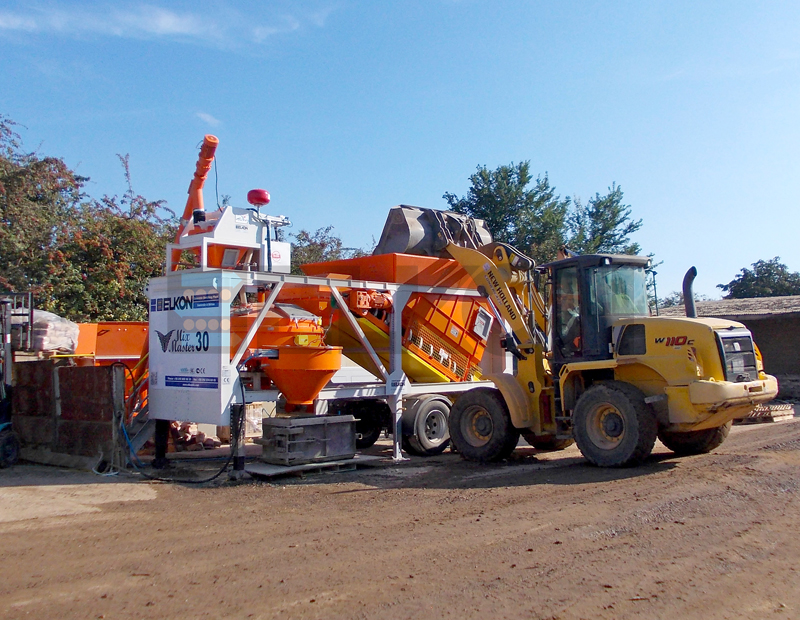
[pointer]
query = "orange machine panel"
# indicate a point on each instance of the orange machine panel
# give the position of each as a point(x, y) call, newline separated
point(439, 330)
point(107, 342)
point(397, 268)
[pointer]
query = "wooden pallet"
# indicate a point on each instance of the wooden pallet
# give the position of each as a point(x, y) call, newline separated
point(768, 413)
point(267, 470)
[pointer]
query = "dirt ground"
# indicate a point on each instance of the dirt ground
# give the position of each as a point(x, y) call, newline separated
point(541, 536)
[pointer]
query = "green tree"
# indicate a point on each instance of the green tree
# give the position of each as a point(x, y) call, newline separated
point(675, 298)
point(119, 243)
point(318, 247)
point(38, 200)
point(538, 222)
point(532, 219)
point(768, 278)
point(82, 258)
point(603, 225)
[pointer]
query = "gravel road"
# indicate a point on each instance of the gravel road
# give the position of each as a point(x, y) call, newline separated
point(542, 536)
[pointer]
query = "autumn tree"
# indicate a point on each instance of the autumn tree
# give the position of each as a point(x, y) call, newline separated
point(82, 258)
point(119, 243)
point(39, 197)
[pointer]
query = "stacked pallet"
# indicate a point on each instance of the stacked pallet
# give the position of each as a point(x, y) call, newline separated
point(771, 412)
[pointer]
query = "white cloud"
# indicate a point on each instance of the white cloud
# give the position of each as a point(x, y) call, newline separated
point(157, 21)
point(287, 23)
point(207, 118)
point(9, 21)
point(224, 28)
point(139, 21)
point(320, 17)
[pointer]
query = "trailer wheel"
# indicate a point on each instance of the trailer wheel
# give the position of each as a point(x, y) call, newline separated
point(430, 432)
point(546, 443)
point(9, 448)
point(695, 442)
point(480, 426)
point(371, 418)
point(613, 426)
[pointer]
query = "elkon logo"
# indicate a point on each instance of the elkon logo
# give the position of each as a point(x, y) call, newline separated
point(165, 304)
point(185, 302)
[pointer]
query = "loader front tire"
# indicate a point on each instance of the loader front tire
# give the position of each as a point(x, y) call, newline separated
point(613, 426)
point(695, 442)
point(480, 426)
point(546, 443)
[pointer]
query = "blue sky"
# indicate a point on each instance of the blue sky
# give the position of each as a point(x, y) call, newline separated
point(344, 108)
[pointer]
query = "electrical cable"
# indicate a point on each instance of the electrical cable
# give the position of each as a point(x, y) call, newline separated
point(139, 466)
point(133, 459)
point(216, 184)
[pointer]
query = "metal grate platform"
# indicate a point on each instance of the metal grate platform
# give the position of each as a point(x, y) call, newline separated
point(266, 470)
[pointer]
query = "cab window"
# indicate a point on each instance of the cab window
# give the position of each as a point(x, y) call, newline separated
point(567, 312)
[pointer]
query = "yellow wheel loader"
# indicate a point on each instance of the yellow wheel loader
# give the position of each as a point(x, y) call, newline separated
point(593, 366)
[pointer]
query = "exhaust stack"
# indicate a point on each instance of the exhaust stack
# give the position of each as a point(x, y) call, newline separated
point(688, 293)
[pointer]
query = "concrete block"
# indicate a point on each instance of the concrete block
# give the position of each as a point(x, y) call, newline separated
point(33, 388)
point(87, 393)
point(46, 457)
point(31, 401)
point(80, 438)
point(33, 431)
point(38, 374)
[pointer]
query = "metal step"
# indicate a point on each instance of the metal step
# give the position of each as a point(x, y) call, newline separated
point(140, 438)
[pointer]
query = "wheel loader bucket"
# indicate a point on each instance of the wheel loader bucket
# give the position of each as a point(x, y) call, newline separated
point(426, 232)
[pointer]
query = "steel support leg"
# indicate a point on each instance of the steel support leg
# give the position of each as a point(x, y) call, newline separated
point(397, 378)
point(161, 438)
point(396, 407)
point(237, 441)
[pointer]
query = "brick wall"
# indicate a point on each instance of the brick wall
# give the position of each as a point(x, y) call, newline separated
point(67, 409)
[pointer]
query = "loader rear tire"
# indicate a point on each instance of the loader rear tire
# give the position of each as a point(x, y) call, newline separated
point(613, 426)
point(480, 426)
point(546, 443)
point(695, 442)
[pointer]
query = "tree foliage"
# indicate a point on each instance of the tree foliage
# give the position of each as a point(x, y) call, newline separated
point(82, 258)
point(768, 278)
point(318, 247)
point(604, 225)
point(538, 222)
point(675, 298)
point(530, 219)
point(38, 196)
point(118, 245)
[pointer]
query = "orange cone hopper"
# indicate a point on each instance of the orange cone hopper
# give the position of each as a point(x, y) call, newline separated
point(301, 372)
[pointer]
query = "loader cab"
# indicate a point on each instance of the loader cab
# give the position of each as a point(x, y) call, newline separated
point(589, 294)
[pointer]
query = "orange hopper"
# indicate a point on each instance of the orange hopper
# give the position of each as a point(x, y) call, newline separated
point(301, 372)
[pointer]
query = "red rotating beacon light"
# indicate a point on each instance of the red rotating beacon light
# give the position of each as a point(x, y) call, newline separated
point(258, 197)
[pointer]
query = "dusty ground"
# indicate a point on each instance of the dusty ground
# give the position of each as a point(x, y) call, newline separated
point(543, 536)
